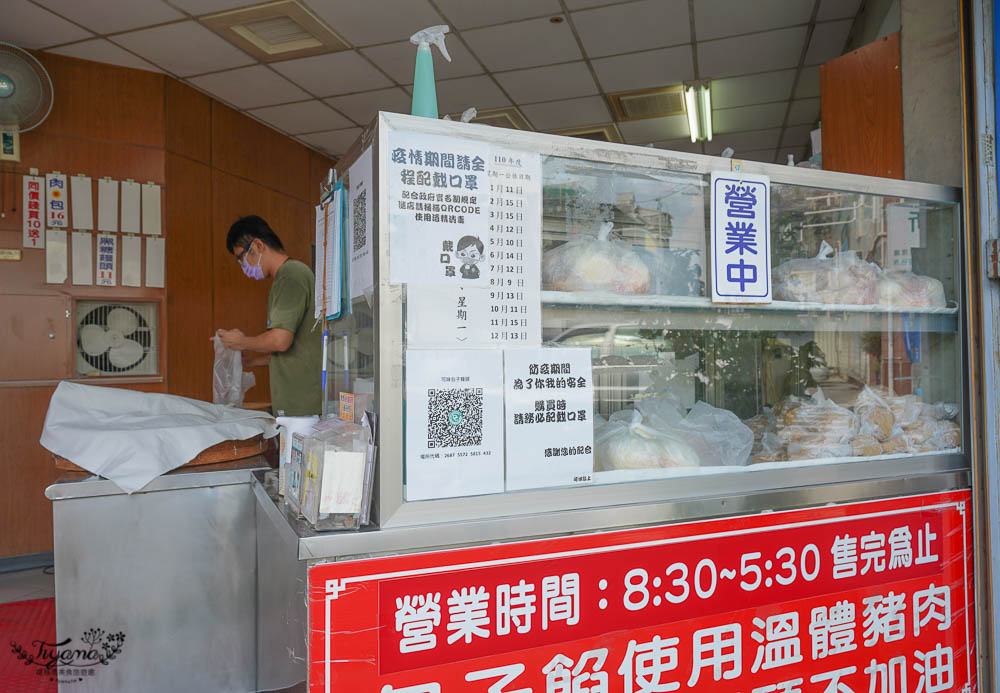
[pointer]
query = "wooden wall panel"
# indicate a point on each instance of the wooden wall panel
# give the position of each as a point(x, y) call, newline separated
point(862, 112)
point(243, 147)
point(188, 202)
point(188, 122)
point(104, 102)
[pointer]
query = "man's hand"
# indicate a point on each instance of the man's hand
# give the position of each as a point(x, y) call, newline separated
point(234, 339)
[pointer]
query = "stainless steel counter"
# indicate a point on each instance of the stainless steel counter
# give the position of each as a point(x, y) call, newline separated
point(172, 566)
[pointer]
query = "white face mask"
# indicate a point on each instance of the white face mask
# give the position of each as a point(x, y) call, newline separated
point(252, 271)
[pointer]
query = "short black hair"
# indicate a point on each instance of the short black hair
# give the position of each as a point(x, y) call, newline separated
point(245, 229)
point(466, 241)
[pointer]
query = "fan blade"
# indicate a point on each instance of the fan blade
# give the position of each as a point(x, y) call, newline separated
point(122, 321)
point(127, 355)
point(94, 339)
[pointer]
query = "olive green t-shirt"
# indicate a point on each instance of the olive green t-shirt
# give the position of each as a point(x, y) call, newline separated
point(296, 372)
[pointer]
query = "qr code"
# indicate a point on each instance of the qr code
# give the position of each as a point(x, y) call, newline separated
point(358, 207)
point(455, 417)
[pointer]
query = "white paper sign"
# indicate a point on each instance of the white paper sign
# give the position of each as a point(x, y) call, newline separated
point(549, 396)
point(155, 251)
point(454, 423)
point(740, 238)
point(508, 312)
point(107, 259)
point(151, 209)
point(320, 241)
point(343, 481)
point(83, 258)
point(82, 197)
point(56, 201)
point(131, 261)
point(107, 205)
point(902, 224)
point(33, 235)
point(130, 206)
point(438, 201)
point(359, 214)
point(333, 259)
point(55, 256)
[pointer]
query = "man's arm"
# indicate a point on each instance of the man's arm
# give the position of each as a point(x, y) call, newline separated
point(272, 341)
point(256, 361)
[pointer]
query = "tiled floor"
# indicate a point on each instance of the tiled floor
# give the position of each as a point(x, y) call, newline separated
point(26, 584)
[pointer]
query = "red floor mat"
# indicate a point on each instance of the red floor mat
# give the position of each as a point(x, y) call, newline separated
point(21, 624)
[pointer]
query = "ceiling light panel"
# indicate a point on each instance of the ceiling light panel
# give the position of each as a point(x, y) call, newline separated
point(538, 42)
point(633, 27)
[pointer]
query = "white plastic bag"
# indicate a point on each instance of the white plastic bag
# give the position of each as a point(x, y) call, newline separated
point(229, 382)
point(717, 435)
point(625, 442)
point(585, 263)
point(910, 290)
point(829, 277)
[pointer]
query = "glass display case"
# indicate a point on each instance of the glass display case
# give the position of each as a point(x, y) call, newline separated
point(590, 263)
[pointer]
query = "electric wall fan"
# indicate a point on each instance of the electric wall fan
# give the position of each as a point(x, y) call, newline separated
point(25, 90)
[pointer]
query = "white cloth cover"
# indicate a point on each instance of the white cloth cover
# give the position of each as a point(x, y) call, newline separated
point(133, 437)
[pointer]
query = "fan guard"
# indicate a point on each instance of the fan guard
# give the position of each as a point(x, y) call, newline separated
point(113, 338)
point(25, 90)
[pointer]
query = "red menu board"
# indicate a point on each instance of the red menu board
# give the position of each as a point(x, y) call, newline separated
point(860, 597)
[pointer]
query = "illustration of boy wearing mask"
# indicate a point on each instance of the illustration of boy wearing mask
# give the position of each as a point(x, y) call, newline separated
point(469, 251)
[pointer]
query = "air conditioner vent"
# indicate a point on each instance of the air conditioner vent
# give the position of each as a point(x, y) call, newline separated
point(647, 103)
point(275, 31)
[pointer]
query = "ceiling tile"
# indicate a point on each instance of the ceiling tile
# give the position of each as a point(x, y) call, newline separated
point(556, 115)
point(837, 9)
point(361, 108)
point(744, 91)
point(184, 48)
point(397, 60)
point(364, 22)
point(796, 135)
point(29, 26)
point(683, 144)
point(249, 87)
point(334, 142)
point(717, 18)
point(763, 155)
point(564, 81)
point(800, 154)
point(306, 116)
point(828, 41)
point(109, 16)
point(655, 129)
point(804, 112)
point(583, 4)
point(539, 42)
point(103, 51)
point(772, 50)
point(744, 141)
point(464, 14)
point(333, 73)
point(760, 117)
point(454, 95)
point(200, 7)
point(633, 27)
point(645, 70)
point(808, 83)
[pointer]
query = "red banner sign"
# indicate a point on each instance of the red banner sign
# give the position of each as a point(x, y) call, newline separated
point(869, 597)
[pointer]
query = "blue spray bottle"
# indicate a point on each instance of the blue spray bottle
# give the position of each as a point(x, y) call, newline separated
point(424, 90)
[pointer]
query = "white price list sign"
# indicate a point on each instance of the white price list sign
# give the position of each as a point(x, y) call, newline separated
point(549, 400)
point(740, 238)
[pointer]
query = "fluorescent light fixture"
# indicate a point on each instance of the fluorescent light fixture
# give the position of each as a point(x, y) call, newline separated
point(706, 111)
point(691, 104)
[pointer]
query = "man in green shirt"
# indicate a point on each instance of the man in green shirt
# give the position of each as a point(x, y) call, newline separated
point(292, 344)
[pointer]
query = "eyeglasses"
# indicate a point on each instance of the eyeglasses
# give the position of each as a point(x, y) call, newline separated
point(239, 258)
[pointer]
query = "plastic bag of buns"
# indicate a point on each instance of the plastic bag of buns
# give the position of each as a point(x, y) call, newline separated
point(586, 263)
point(906, 409)
point(717, 435)
point(875, 417)
point(824, 417)
point(925, 435)
point(865, 446)
point(817, 447)
point(770, 448)
point(627, 442)
point(830, 277)
point(906, 289)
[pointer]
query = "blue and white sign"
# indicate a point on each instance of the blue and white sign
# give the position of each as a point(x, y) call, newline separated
point(741, 245)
